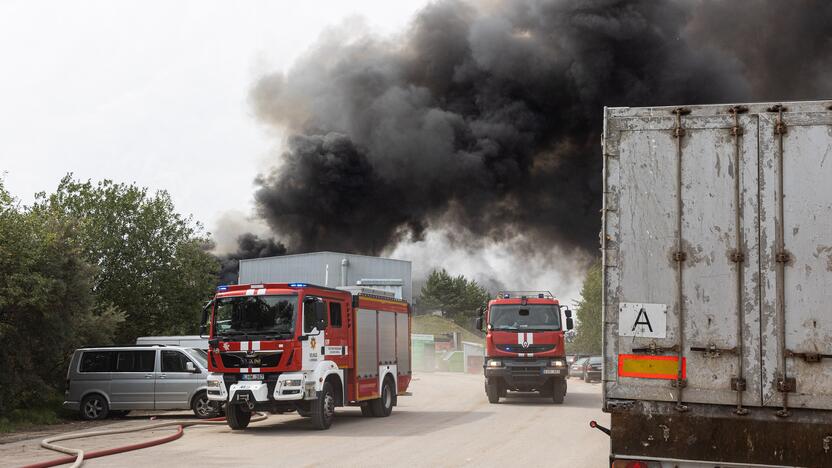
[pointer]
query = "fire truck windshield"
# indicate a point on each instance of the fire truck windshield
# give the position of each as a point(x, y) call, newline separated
point(255, 315)
point(525, 317)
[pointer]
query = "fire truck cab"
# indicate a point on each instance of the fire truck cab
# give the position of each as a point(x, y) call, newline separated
point(524, 345)
point(284, 347)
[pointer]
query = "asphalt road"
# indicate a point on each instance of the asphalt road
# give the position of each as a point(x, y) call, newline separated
point(447, 422)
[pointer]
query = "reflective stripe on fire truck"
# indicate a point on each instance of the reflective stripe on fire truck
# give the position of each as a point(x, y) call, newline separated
point(649, 367)
point(525, 340)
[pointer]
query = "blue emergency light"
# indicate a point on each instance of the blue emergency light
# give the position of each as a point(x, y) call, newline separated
point(222, 288)
point(297, 285)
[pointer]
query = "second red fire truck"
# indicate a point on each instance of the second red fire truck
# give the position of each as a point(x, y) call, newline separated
point(524, 344)
point(299, 347)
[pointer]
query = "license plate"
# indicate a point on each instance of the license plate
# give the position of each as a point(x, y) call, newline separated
point(551, 371)
point(251, 377)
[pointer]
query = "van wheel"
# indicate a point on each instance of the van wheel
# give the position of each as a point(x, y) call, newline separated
point(237, 417)
point(383, 406)
point(94, 407)
point(202, 407)
point(323, 408)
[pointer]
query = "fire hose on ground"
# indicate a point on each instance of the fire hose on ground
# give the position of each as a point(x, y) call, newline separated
point(77, 456)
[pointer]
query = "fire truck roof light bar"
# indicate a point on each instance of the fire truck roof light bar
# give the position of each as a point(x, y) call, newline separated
point(538, 294)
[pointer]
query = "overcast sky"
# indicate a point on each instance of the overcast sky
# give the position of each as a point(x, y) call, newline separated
point(153, 92)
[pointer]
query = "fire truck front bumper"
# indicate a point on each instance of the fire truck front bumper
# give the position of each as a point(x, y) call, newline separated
point(274, 387)
point(524, 372)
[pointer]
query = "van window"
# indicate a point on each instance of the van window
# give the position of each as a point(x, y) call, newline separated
point(174, 361)
point(335, 314)
point(97, 361)
point(135, 361)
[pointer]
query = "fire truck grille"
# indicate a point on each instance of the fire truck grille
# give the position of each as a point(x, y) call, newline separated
point(235, 360)
point(238, 360)
point(532, 348)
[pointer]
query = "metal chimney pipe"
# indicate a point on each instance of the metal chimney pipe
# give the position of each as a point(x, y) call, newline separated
point(344, 264)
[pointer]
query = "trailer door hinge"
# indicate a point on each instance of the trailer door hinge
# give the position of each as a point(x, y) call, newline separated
point(808, 357)
point(711, 351)
point(652, 348)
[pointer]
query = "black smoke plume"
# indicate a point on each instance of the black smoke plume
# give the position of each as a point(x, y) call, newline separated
point(248, 246)
point(485, 118)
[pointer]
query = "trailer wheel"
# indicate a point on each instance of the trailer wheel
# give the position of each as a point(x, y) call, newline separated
point(382, 407)
point(237, 417)
point(492, 390)
point(558, 390)
point(323, 408)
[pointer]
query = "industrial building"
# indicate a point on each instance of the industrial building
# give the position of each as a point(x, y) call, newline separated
point(332, 269)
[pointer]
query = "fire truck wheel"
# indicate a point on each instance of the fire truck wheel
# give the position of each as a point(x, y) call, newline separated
point(382, 407)
point(558, 390)
point(94, 407)
point(323, 409)
point(366, 410)
point(492, 390)
point(237, 417)
point(303, 413)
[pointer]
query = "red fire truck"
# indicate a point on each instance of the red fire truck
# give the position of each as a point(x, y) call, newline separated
point(299, 347)
point(524, 347)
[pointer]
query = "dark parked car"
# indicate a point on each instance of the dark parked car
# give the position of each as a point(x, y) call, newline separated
point(592, 368)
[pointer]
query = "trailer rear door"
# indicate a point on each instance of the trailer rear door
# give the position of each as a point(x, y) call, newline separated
point(803, 325)
point(690, 254)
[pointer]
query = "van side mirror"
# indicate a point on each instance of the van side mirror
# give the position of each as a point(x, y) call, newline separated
point(480, 311)
point(190, 367)
point(570, 324)
point(478, 323)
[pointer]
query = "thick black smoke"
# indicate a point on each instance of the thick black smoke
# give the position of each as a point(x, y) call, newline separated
point(485, 119)
point(248, 246)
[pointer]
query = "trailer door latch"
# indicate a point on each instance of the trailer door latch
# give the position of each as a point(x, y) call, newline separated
point(787, 385)
point(738, 384)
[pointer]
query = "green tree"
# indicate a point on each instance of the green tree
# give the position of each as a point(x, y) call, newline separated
point(455, 296)
point(46, 304)
point(151, 263)
point(589, 321)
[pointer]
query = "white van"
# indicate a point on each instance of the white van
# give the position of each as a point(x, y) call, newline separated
point(117, 379)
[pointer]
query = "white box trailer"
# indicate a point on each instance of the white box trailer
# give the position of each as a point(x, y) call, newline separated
point(717, 260)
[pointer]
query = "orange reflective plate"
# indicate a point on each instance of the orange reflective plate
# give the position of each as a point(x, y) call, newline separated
point(649, 367)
